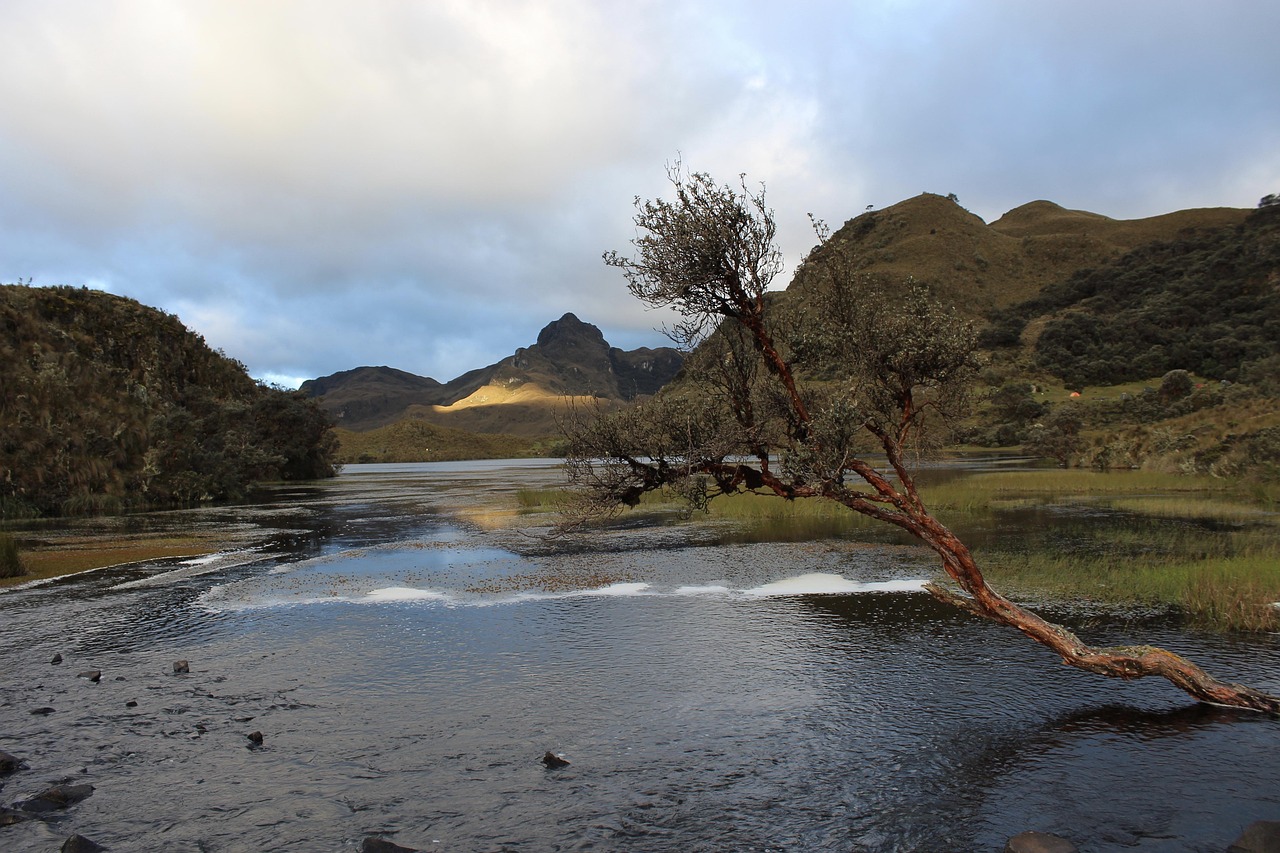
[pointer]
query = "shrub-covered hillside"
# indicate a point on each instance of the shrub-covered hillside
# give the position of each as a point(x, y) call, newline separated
point(108, 404)
point(1208, 303)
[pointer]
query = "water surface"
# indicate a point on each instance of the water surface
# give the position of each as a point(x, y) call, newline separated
point(409, 655)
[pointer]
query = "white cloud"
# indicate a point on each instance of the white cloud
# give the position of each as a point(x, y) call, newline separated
point(318, 185)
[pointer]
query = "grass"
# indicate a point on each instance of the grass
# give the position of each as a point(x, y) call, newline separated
point(72, 556)
point(1161, 548)
point(11, 562)
point(1236, 592)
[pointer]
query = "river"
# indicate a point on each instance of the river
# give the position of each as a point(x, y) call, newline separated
point(409, 651)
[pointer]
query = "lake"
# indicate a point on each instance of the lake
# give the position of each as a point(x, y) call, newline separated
point(409, 648)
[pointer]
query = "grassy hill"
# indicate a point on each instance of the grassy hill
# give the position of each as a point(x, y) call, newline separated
point(418, 441)
point(981, 267)
point(106, 404)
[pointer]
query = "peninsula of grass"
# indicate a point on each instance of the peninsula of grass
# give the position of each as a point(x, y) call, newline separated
point(1206, 547)
point(74, 555)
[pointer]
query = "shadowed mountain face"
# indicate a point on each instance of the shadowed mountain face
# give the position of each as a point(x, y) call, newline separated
point(517, 395)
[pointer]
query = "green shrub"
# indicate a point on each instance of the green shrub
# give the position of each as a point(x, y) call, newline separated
point(11, 565)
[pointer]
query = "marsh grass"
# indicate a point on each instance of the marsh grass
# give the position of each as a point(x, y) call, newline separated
point(73, 555)
point(1201, 545)
point(11, 562)
point(1157, 544)
point(542, 500)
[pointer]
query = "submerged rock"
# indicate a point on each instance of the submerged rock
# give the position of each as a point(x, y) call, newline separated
point(80, 844)
point(553, 761)
point(57, 797)
point(180, 667)
point(8, 817)
point(9, 764)
point(1261, 836)
point(381, 845)
point(1039, 842)
point(42, 712)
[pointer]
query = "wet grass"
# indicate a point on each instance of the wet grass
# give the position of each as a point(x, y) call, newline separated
point(1207, 547)
point(71, 555)
point(1204, 546)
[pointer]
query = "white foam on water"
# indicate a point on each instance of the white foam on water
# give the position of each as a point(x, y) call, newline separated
point(816, 583)
point(404, 593)
point(708, 589)
point(613, 590)
point(195, 567)
point(205, 560)
point(821, 583)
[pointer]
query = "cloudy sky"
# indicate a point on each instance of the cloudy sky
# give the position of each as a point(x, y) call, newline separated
point(319, 185)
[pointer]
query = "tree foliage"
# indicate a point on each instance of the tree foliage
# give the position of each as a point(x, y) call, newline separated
point(107, 404)
point(830, 397)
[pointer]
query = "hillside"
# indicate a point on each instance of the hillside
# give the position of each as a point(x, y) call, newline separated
point(980, 267)
point(1208, 302)
point(518, 396)
point(109, 404)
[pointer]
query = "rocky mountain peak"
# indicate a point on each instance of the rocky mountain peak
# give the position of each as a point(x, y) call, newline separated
point(570, 330)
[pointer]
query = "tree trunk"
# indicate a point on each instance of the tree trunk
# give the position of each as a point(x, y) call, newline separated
point(1126, 662)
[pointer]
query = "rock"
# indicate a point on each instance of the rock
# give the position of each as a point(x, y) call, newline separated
point(255, 738)
point(553, 761)
point(57, 797)
point(180, 667)
point(380, 845)
point(1038, 842)
point(1261, 836)
point(80, 844)
point(9, 764)
point(131, 704)
point(57, 659)
point(42, 712)
point(8, 817)
point(94, 675)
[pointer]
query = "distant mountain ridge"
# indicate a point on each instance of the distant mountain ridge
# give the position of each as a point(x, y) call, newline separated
point(985, 270)
point(518, 395)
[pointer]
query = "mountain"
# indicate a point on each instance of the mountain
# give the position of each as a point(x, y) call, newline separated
point(981, 266)
point(106, 403)
point(519, 395)
point(1207, 302)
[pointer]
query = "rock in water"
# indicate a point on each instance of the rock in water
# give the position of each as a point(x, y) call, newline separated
point(80, 844)
point(381, 845)
point(57, 659)
point(8, 817)
point(1261, 836)
point(180, 667)
point(553, 761)
point(255, 738)
point(57, 797)
point(1038, 842)
point(93, 675)
point(9, 763)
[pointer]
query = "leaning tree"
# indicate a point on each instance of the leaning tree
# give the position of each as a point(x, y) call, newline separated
point(831, 393)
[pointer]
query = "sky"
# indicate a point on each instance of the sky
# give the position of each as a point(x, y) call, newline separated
point(425, 184)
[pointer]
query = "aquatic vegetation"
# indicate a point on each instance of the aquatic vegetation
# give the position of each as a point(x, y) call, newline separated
point(11, 564)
